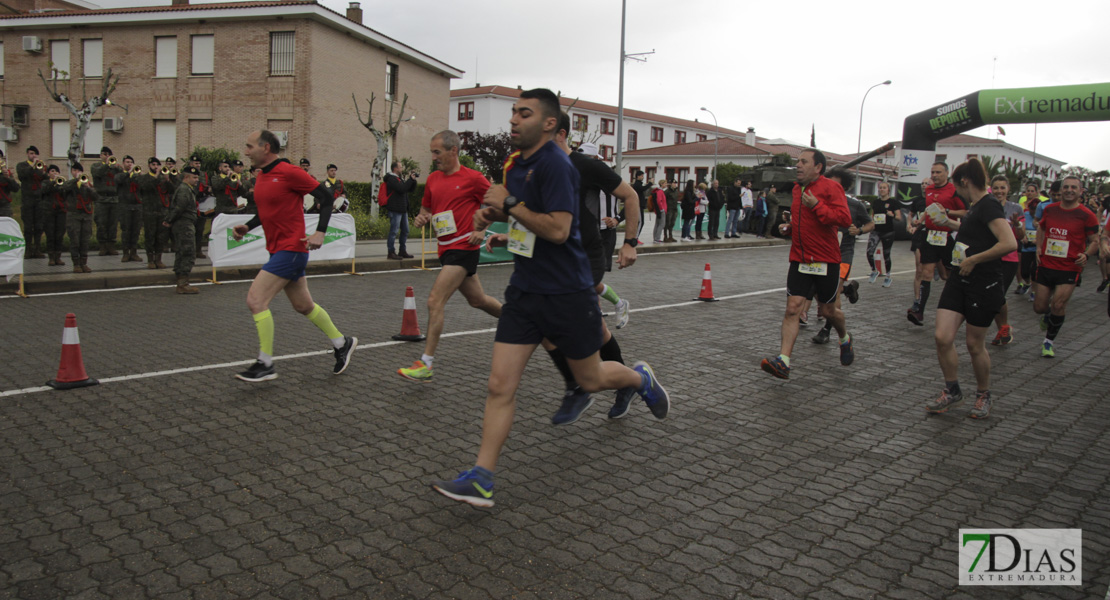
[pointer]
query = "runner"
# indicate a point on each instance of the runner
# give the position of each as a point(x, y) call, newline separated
point(973, 294)
point(1028, 258)
point(1104, 252)
point(452, 194)
point(1000, 188)
point(550, 293)
point(279, 194)
point(861, 223)
point(817, 210)
point(939, 238)
point(1066, 235)
point(887, 211)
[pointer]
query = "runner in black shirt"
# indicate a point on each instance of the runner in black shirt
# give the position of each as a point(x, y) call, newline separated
point(974, 291)
point(887, 211)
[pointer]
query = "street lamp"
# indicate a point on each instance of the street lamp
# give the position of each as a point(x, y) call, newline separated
point(716, 136)
point(859, 139)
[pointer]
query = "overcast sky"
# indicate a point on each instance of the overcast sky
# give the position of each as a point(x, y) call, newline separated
point(775, 66)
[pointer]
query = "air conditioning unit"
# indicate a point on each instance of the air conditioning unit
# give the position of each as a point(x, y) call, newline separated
point(8, 134)
point(283, 139)
point(113, 124)
point(32, 43)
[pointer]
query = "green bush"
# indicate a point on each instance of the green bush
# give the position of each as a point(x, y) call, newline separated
point(369, 228)
point(362, 197)
point(210, 158)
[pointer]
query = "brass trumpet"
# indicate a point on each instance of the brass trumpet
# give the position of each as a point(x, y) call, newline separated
point(136, 170)
point(83, 179)
point(111, 161)
point(173, 171)
point(59, 180)
point(40, 165)
point(165, 170)
point(235, 177)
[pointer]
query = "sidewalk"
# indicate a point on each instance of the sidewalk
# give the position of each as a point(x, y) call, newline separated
point(370, 255)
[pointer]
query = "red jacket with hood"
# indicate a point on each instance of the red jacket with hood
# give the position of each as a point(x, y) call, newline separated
point(813, 230)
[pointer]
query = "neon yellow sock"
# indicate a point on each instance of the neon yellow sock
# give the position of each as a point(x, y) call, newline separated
point(264, 321)
point(321, 320)
point(785, 359)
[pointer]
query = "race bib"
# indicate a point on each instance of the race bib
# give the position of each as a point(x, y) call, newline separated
point(521, 241)
point(937, 238)
point(444, 223)
point(1031, 236)
point(813, 268)
point(839, 236)
point(880, 218)
point(1057, 248)
point(959, 253)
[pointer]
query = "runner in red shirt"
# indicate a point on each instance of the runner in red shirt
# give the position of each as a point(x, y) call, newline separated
point(1104, 250)
point(939, 238)
point(1066, 235)
point(279, 195)
point(452, 194)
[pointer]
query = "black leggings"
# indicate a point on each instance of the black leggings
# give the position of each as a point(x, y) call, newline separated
point(887, 240)
point(1028, 265)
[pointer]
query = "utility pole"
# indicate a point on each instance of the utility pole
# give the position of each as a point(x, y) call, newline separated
point(620, 92)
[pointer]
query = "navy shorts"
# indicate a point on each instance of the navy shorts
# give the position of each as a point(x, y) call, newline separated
point(287, 264)
point(570, 321)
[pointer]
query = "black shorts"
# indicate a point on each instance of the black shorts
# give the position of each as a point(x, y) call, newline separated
point(1055, 277)
point(978, 299)
point(467, 259)
point(1028, 264)
point(1009, 272)
point(824, 287)
point(917, 240)
point(570, 321)
point(930, 254)
point(595, 252)
point(608, 246)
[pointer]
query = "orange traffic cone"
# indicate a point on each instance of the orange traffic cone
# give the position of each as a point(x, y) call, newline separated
point(71, 371)
point(706, 294)
point(880, 260)
point(410, 328)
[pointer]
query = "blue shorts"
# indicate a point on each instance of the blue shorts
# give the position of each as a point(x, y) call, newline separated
point(287, 264)
point(570, 321)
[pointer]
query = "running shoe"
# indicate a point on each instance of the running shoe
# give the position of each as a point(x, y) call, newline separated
point(982, 408)
point(916, 315)
point(1005, 336)
point(1032, 296)
point(258, 372)
point(652, 392)
point(936, 275)
point(1102, 286)
point(887, 281)
point(1044, 322)
point(851, 291)
point(622, 403)
point(803, 320)
point(847, 355)
point(874, 277)
point(417, 372)
point(473, 486)
point(343, 355)
point(575, 402)
point(1021, 288)
point(776, 367)
point(822, 336)
point(622, 313)
point(1048, 350)
point(943, 403)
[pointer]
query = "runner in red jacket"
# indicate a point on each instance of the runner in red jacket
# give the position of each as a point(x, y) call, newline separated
point(818, 210)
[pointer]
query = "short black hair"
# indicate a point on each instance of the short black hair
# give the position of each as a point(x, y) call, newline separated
point(394, 164)
point(53, 168)
point(549, 102)
point(818, 158)
point(941, 163)
point(564, 121)
point(267, 137)
point(1055, 187)
point(846, 177)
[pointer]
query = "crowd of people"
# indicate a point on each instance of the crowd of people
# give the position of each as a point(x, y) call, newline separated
point(701, 206)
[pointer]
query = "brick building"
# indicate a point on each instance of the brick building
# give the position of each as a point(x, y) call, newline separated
point(208, 74)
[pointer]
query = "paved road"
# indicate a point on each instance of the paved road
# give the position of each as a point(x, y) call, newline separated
point(834, 484)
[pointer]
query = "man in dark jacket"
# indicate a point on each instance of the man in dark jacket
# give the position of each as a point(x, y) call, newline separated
point(734, 204)
point(398, 207)
point(716, 198)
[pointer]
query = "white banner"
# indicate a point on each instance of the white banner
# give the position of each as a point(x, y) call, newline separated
point(12, 247)
point(339, 241)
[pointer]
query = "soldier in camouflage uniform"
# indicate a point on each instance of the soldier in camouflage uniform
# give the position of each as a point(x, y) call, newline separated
point(154, 194)
point(33, 213)
point(204, 190)
point(81, 196)
point(181, 217)
point(8, 186)
point(54, 200)
point(130, 211)
point(227, 190)
point(106, 177)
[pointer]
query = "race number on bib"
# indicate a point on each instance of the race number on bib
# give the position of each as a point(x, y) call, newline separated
point(521, 241)
point(880, 218)
point(1031, 236)
point(444, 223)
point(1057, 248)
point(959, 253)
point(813, 268)
point(937, 238)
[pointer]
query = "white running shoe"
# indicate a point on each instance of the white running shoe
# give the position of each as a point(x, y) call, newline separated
point(874, 276)
point(622, 313)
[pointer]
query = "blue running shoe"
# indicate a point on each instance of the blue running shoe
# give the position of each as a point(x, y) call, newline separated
point(473, 486)
point(652, 391)
point(622, 403)
point(846, 353)
point(776, 367)
point(575, 402)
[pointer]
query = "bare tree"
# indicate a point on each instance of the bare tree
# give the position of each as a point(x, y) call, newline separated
point(382, 136)
point(83, 114)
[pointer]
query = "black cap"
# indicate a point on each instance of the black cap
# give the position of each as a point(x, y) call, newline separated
point(106, 150)
point(304, 161)
point(332, 166)
point(237, 163)
point(153, 159)
point(78, 167)
point(128, 157)
point(170, 159)
point(194, 158)
point(191, 170)
point(32, 149)
point(53, 168)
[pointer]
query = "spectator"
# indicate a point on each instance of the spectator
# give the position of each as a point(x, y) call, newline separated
point(689, 203)
point(662, 209)
point(772, 211)
point(700, 209)
point(759, 213)
point(716, 203)
point(747, 203)
point(397, 204)
point(672, 210)
point(733, 206)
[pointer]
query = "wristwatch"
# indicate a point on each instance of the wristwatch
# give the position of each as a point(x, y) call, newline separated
point(632, 242)
point(510, 202)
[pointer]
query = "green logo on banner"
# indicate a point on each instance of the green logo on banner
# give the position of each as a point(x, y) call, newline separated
point(334, 235)
point(1065, 103)
point(232, 243)
point(10, 242)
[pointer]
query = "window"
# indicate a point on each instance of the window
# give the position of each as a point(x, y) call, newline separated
point(390, 81)
point(581, 122)
point(59, 137)
point(165, 57)
point(632, 138)
point(608, 126)
point(59, 55)
point(649, 174)
point(607, 152)
point(204, 54)
point(657, 134)
point(941, 158)
point(866, 187)
point(93, 51)
point(677, 174)
point(165, 138)
point(701, 174)
point(281, 53)
point(1, 60)
point(680, 137)
point(466, 111)
point(632, 173)
point(702, 137)
point(94, 139)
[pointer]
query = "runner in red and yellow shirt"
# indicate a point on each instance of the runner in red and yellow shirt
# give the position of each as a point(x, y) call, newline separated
point(452, 194)
point(1067, 235)
point(939, 237)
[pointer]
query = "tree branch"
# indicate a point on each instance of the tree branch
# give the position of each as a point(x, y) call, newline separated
point(52, 91)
